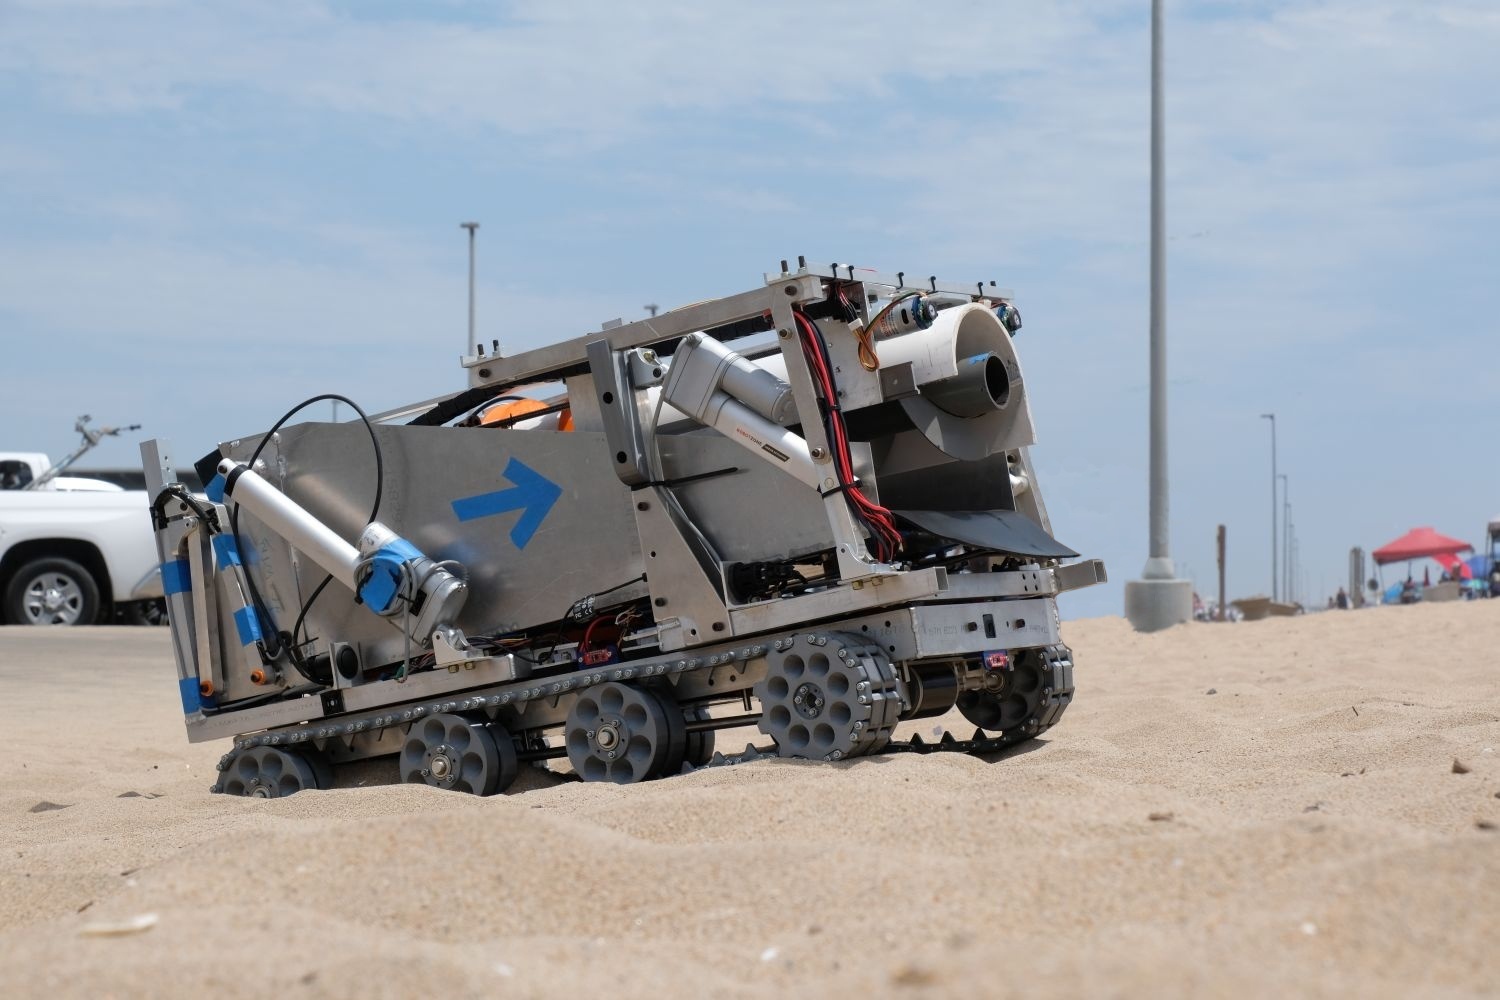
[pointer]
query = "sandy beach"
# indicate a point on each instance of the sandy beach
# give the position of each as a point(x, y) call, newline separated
point(1300, 806)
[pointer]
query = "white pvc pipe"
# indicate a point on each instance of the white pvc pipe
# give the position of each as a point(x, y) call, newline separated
point(959, 333)
point(289, 520)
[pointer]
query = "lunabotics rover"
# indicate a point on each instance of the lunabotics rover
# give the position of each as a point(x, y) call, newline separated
point(808, 508)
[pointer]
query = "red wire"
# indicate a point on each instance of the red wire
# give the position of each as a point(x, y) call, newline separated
point(887, 538)
point(584, 646)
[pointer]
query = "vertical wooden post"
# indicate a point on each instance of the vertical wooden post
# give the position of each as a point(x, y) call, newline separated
point(1222, 610)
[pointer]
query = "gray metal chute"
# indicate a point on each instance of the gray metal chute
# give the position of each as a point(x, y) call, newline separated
point(1006, 531)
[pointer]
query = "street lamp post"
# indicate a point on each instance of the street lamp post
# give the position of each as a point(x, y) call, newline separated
point(1158, 599)
point(1295, 584)
point(1272, 417)
point(470, 226)
point(1286, 535)
point(1289, 554)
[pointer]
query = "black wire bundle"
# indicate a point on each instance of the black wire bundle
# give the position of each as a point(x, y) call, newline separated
point(291, 645)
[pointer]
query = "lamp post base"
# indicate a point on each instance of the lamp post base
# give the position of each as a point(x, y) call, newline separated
point(1152, 605)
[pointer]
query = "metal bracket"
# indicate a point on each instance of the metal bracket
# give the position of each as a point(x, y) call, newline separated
point(451, 650)
point(897, 382)
point(685, 576)
point(618, 409)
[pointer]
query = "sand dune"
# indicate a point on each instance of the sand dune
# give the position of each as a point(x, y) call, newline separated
point(1267, 807)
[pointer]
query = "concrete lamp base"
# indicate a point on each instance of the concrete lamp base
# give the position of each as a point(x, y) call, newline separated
point(1152, 605)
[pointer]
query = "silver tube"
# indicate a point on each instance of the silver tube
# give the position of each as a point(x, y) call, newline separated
point(289, 520)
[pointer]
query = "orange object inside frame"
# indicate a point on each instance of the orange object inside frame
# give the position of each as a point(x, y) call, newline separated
point(514, 408)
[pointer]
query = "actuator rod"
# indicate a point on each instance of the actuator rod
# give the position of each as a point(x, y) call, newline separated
point(290, 520)
point(770, 442)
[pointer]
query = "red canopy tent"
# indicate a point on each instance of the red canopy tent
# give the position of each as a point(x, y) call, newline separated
point(1419, 543)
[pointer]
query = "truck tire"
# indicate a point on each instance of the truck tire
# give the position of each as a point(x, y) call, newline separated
point(52, 591)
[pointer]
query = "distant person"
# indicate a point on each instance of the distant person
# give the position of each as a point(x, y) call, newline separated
point(1409, 592)
point(1341, 600)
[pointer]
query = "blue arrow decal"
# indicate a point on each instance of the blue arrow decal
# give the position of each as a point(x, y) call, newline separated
point(534, 495)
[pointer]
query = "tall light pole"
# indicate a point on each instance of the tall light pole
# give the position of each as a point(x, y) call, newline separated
point(1158, 599)
point(1296, 560)
point(1289, 553)
point(470, 226)
point(1272, 417)
point(1286, 534)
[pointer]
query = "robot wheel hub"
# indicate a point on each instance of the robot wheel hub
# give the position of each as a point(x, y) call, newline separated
point(607, 736)
point(809, 700)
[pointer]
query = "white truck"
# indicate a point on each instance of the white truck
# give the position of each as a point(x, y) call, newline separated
point(74, 550)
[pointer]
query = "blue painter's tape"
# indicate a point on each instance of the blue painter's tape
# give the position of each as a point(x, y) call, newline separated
point(191, 702)
point(533, 494)
point(247, 625)
point(225, 551)
point(378, 592)
point(175, 578)
point(215, 489)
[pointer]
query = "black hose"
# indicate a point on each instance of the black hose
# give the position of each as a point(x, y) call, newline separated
point(234, 519)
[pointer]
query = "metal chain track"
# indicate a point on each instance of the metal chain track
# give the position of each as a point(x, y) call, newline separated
point(515, 694)
point(1055, 694)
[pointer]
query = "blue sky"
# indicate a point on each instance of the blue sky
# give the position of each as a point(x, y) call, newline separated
point(211, 211)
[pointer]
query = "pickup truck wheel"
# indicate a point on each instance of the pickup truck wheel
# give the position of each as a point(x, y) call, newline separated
point(52, 592)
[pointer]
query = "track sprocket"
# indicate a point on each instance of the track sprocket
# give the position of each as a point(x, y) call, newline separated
point(1024, 699)
point(621, 733)
point(459, 754)
point(272, 773)
point(827, 697)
